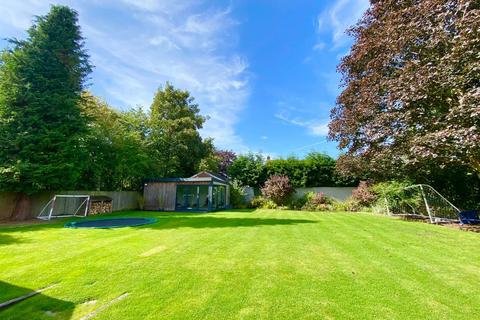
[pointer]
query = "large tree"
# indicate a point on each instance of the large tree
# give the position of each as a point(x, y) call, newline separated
point(411, 96)
point(174, 140)
point(41, 125)
point(116, 145)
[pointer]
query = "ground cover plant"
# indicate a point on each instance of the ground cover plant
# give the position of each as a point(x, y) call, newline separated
point(243, 265)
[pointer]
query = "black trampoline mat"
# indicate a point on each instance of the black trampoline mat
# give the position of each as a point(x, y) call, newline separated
point(110, 223)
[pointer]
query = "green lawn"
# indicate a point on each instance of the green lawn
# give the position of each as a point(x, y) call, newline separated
point(264, 264)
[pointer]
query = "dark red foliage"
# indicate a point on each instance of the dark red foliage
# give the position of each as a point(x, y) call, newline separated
point(411, 87)
point(226, 159)
point(278, 189)
point(319, 198)
point(363, 195)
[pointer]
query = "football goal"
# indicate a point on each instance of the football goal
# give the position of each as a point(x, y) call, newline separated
point(422, 200)
point(62, 205)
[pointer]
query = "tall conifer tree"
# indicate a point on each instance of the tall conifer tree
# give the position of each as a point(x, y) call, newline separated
point(41, 124)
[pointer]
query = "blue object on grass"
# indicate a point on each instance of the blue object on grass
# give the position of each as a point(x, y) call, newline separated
point(469, 217)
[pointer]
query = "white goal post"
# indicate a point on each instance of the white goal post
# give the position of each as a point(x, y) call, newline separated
point(423, 200)
point(65, 205)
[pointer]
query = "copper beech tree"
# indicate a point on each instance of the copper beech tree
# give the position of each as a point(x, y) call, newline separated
point(411, 88)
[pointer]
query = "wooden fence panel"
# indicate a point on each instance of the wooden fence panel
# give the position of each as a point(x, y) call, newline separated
point(121, 200)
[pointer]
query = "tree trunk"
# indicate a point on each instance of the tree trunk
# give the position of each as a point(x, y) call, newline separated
point(23, 207)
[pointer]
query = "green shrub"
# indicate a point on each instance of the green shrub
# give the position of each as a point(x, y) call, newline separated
point(379, 208)
point(269, 204)
point(317, 198)
point(353, 205)
point(396, 194)
point(316, 169)
point(298, 203)
point(320, 207)
point(350, 205)
point(261, 202)
point(237, 195)
point(318, 201)
point(257, 202)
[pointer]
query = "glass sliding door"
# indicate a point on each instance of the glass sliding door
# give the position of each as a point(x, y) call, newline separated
point(181, 196)
point(187, 197)
point(218, 197)
point(203, 198)
point(192, 197)
point(214, 198)
point(221, 197)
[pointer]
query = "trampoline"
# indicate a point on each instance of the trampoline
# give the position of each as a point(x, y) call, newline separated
point(110, 223)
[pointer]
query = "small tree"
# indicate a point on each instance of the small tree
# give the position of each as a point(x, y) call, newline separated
point(237, 194)
point(278, 189)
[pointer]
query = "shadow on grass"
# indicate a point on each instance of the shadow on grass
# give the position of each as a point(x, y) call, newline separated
point(7, 233)
point(181, 213)
point(35, 307)
point(218, 219)
point(166, 220)
point(8, 239)
point(200, 221)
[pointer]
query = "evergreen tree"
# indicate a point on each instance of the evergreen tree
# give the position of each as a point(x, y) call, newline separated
point(41, 124)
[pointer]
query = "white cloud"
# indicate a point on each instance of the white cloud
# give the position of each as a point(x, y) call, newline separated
point(319, 129)
point(18, 14)
point(142, 44)
point(147, 5)
point(164, 42)
point(156, 5)
point(319, 46)
point(339, 17)
point(314, 127)
point(309, 146)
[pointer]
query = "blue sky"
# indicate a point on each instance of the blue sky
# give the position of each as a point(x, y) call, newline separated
point(263, 71)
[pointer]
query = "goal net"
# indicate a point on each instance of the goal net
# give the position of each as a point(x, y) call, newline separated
point(422, 200)
point(65, 206)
